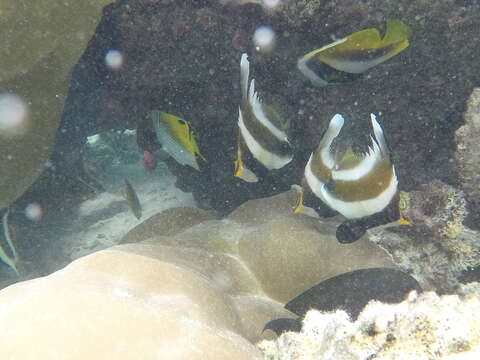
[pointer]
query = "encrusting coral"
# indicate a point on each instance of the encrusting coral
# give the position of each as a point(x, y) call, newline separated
point(437, 245)
point(423, 327)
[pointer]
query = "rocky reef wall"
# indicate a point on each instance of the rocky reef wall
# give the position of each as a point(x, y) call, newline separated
point(40, 43)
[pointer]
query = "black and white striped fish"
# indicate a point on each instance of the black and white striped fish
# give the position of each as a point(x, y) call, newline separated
point(262, 131)
point(357, 186)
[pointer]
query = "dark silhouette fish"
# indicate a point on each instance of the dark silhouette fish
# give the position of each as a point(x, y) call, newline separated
point(132, 199)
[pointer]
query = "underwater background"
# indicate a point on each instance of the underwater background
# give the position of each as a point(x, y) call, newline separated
point(190, 133)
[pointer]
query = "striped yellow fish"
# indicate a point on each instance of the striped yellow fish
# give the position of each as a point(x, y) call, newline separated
point(176, 138)
point(344, 59)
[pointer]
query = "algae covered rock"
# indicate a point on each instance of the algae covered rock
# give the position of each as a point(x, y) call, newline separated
point(40, 43)
point(437, 245)
point(421, 327)
point(467, 155)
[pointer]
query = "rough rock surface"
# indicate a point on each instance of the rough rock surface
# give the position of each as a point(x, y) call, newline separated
point(437, 246)
point(200, 292)
point(40, 43)
point(422, 327)
point(467, 155)
point(420, 94)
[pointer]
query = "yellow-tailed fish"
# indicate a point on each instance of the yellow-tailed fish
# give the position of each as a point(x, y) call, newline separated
point(132, 200)
point(355, 185)
point(176, 137)
point(344, 59)
point(8, 237)
point(262, 131)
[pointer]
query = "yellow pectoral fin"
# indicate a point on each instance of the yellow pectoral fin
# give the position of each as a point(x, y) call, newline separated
point(238, 165)
point(299, 205)
point(238, 161)
point(403, 221)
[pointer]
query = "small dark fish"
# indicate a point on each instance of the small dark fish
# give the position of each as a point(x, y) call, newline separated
point(353, 290)
point(132, 199)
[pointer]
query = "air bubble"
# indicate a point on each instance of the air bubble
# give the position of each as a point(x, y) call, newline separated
point(114, 59)
point(33, 212)
point(264, 39)
point(13, 115)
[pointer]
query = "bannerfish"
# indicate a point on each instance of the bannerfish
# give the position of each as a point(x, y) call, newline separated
point(361, 187)
point(132, 200)
point(345, 59)
point(176, 138)
point(8, 256)
point(262, 130)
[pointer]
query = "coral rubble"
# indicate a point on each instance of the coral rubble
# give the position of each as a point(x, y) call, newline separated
point(423, 327)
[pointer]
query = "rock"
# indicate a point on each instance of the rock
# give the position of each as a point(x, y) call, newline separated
point(167, 223)
point(40, 45)
point(115, 304)
point(286, 253)
point(416, 328)
point(467, 154)
point(437, 246)
point(202, 292)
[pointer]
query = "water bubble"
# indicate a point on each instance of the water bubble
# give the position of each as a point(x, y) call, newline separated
point(114, 59)
point(264, 39)
point(13, 115)
point(271, 4)
point(33, 212)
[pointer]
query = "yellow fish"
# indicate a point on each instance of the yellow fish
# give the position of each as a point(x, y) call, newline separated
point(176, 138)
point(354, 54)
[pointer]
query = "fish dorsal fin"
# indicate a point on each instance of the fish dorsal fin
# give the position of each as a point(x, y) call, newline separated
point(244, 76)
point(334, 128)
point(397, 32)
point(259, 113)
